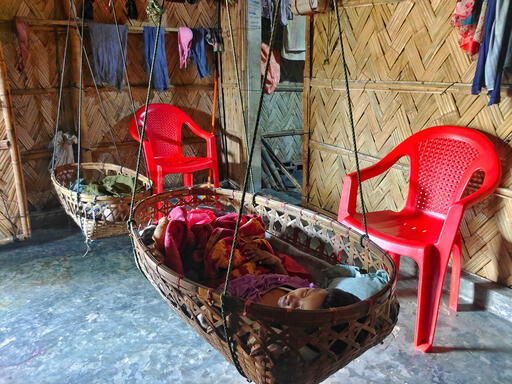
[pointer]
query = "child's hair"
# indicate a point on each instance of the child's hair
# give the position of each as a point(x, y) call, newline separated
point(338, 298)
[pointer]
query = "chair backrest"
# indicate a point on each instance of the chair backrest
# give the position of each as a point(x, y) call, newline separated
point(163, 129)
point(443, 161)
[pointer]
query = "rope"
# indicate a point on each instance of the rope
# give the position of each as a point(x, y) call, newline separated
point(61, 87)
point(125, 65)
point(239, 86)
point(244, 192)
point(80, 102)
point(103, 110)
point(220, 73)
point(134, 113)
point(142, 129)
point(350, 115)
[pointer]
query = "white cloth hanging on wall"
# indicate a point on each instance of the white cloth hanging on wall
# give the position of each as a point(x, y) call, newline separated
point(63, 148)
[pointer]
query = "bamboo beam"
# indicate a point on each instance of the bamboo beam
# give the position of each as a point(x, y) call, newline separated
point(91, 89)
point(398, 86)
point(64, 23)
point(12, 143)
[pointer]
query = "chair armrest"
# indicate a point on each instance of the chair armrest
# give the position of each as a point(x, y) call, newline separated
point(198, 131)
point(348, 198)
point(211, 147)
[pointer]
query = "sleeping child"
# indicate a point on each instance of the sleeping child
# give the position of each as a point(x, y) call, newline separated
point(197, 244)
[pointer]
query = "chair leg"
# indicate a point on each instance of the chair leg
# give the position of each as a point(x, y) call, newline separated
point(396, 259)
point(188, 180)
point(456, 270)
point(430, 289)
point(159, 188)
point(215, 174)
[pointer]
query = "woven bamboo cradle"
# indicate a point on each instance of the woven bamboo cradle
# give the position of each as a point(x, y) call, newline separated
point(270, 341)
point(98, 216)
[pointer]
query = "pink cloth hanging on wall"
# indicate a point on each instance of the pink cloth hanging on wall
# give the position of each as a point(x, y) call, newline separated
point(274, 70)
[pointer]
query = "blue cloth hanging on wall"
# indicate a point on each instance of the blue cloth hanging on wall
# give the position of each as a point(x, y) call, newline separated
point(198, 51)
point(108, 58)
point(160, 72)
point(479, 79)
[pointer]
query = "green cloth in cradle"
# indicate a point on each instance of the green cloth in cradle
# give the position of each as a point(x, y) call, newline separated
point(116, 185)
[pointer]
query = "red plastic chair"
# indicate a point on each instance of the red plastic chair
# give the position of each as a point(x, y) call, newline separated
point(163, 146)
point(442, 162)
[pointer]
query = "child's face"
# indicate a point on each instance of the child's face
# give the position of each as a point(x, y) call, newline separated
point(303, 298)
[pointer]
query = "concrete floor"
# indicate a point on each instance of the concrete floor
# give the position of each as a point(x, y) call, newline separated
point(68, 318)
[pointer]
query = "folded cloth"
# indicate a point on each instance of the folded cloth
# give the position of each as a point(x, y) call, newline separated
point(118, 185)
point(362, 285)
point(348, 278)
point(160, 71)
point(106, 53)
point(198, 52)
point(294, 42)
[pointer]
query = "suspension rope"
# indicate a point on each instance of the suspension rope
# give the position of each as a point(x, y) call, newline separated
point(142, 129)
point(220, 73)
point(103, 110)
point(59, 100)
point(79, 133)
point(234, 244)
point(125, 65)
point(239, 86)
point(350, 115)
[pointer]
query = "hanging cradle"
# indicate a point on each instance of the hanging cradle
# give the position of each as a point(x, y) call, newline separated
point(271, 344)
point(99, 216)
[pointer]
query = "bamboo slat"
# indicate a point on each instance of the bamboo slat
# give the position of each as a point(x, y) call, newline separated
point(14, 222)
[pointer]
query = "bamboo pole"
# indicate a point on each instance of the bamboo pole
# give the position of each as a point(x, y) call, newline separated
point(75, 73)
point(6, 105)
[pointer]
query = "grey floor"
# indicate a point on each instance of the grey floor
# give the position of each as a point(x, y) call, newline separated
point(69, 318)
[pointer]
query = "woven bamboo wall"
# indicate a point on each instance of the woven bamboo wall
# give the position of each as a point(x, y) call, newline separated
point(282, 113)
point(407, 73)
point(35, 89)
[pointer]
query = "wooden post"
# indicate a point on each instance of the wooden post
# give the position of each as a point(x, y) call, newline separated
point(253, 81)
point(12, 143)
point(74, 59)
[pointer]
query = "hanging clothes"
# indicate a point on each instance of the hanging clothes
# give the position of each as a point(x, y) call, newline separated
point(498, 47)
point(198, 52)
point(214, 38)
point(160, 71)
point(185, 36)
point(479, 79)
point(88, 9)
point(466, 18)
point(285, 12)
point(294, 39)
point(22, 32)
point(474, 47)
point(274, 70)
point(62, 144)
point(131, 9)
point(107, 56)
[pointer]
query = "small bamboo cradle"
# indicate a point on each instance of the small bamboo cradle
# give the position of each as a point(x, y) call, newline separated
point(98, 216)
point(270, 341)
